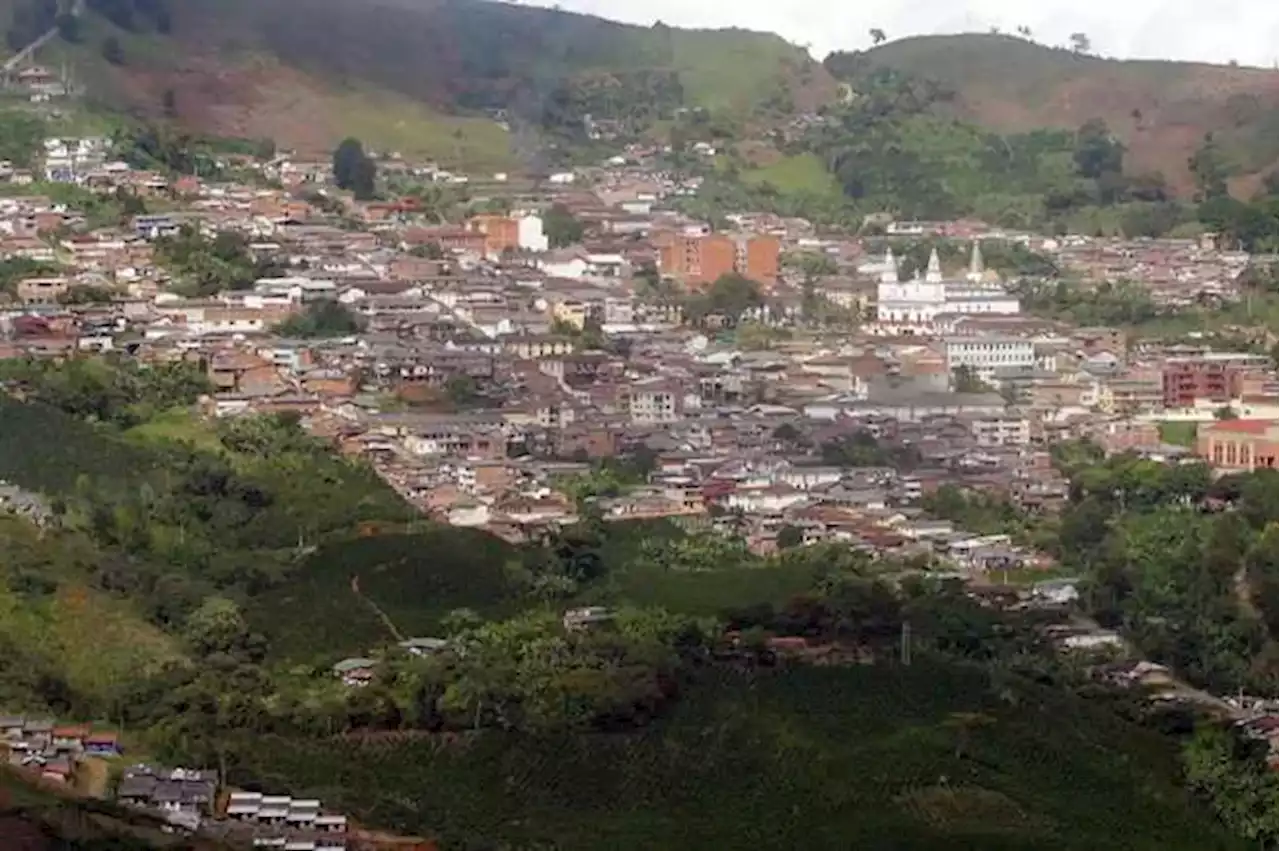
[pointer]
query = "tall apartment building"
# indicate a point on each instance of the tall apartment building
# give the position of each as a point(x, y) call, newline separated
point(1187, 381)
point(698, 260)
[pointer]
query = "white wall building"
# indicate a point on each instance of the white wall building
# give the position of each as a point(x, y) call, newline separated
point(1001, 431)
point(919, 302)
point(984, 354)
point(529, 235)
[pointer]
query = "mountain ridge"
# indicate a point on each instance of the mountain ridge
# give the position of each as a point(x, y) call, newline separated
point(1160, 109)
point(237, 66)
point(448, 78)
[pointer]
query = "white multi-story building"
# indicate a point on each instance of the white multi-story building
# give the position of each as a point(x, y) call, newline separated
point(1000, 431)
point(983, 355)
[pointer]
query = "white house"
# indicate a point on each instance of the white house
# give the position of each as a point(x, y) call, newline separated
point(529, 235)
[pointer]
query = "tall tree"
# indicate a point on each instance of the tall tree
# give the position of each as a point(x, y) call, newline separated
point(112, 51)
point(561, 227)
point(353, 169)
point(1097, 151)
point(1209, 170)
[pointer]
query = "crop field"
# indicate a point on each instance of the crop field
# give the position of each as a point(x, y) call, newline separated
point(416, 579)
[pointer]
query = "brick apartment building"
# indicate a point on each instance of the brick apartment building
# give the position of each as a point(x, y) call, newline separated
point(509, 233)
point(501, 233)
point(701, 259)
point(1187, 381)
point(1240, 445)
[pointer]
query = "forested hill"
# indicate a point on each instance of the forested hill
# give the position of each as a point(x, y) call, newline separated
point(402, 73)
point(1161, 111)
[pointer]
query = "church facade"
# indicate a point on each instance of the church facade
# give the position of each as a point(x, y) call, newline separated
point(918, 303)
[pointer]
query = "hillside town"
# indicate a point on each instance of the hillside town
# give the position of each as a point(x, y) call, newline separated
point(480, 365)
point(83, 761)
point(488, 425)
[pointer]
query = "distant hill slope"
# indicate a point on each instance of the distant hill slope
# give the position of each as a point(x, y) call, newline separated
point(308, 72)
point(1161, 110)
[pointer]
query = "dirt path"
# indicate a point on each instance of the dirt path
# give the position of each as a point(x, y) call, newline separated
point(1240, 582)
point(376, 609)
point(92, 776)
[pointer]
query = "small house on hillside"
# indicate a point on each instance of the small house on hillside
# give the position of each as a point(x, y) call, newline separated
point(355, 671)
point(102, 744)
point(423, 646)
point(586, 617)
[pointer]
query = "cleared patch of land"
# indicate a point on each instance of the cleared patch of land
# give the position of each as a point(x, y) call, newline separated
point(1160, 110)
point(799, 174)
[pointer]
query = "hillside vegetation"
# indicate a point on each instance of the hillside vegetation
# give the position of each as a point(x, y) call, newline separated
point(1161, 111)
point(415, 580)
point(933, 756)
point(194, 581)
point(420, 75)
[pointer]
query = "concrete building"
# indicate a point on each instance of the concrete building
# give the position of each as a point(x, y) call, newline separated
point(699, 259)
point(1240, 445)
point(1188, 381)
point(509, 233)
point(984, 355)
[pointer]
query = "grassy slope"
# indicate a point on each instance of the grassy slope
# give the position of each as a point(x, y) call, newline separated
point(1009, 84)
point(808, 758)
point(251, 94)
point(94, 641)
point(46, 451)
point(802, 173)
point(416, 579)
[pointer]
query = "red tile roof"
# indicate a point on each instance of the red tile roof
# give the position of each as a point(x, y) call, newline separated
point(1257, 427)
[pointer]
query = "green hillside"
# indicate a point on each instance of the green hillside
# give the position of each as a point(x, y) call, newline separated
point(474, 53)
point(426, 77)
point(928, 757)
point(414, 579)
point(1160, 110)
point(195, 580)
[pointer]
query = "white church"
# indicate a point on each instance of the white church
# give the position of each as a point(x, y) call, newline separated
point(923, 304)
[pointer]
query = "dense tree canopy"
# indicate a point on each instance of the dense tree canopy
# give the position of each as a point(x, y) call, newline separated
point(205, 266)
point(729, 296)
point(561, 227)
point(322, 318)
point(354, 170)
